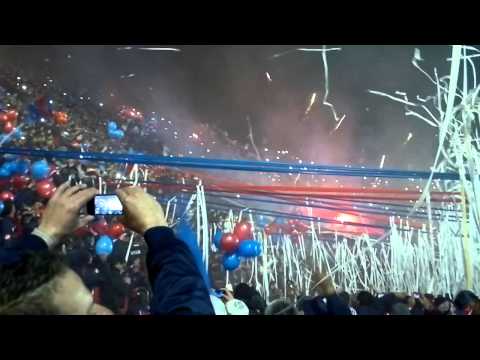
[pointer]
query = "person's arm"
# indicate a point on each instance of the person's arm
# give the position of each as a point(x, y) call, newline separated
point(178, 286)
point(61, 217)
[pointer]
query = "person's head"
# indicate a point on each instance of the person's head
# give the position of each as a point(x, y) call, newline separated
point(281, 307)
point(41, 284)
point(442, 305)
point(252, 298)
point(430, 298)
point(387, 302)
point(345, 296)
point(410, 301)
point(465, 302)
point(242, 291)
point(418, 308)
point(364, 298)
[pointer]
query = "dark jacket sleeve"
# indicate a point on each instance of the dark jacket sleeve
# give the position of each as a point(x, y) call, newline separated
point(29, 243)
point(178, 286)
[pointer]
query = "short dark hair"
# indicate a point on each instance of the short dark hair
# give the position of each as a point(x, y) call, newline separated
point(465, 298)
point(26, 286)
point(251, 297)
point(364, 298)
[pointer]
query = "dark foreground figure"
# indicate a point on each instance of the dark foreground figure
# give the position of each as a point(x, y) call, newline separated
point(35, 281)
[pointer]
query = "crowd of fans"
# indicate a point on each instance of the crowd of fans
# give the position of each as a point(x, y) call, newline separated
point(127, 281)
point(121, 286)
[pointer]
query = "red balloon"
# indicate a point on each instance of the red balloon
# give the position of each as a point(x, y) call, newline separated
point(20, 181)
point(272, 228)
point(100, 227)
point(7, 196)
point(243, 230)
point(8, 127)
point(82, 231)
point(296, 225)
point(116, 230)
point(295, 236)
point(46, 188)
point(12, 115)
point(229, 243)
point(301, 227)
point(3, 117)
point(60, 118)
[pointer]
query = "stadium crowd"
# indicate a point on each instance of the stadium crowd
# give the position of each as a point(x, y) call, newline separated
point(48, 261)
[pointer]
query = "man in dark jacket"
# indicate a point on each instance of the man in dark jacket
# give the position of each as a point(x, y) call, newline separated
point(328, 302)
point(35, 281)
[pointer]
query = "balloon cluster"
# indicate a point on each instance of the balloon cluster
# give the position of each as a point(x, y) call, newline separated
point(45, 186)
point(8, 119)
point(127, 113)
point(60, 117)
point(292, 227)
point(14, 167)
point(101, 227)
point(113, 131)
point(237, 245)
point(42, 107)
point(104, 245)
point(15, 172)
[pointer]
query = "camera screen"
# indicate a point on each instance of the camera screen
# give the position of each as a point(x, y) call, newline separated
point(108, 205)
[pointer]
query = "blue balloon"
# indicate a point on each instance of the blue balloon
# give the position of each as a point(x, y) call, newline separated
point(258, 248)
point(40, 170)
point(23, 167)
point(2, 207)
point(10, 166)
point(4, 172)
point(217, 238)
point(104, 245)
point(112, 125)
point(231, 262)
point(116, 134)
point(248, 249)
